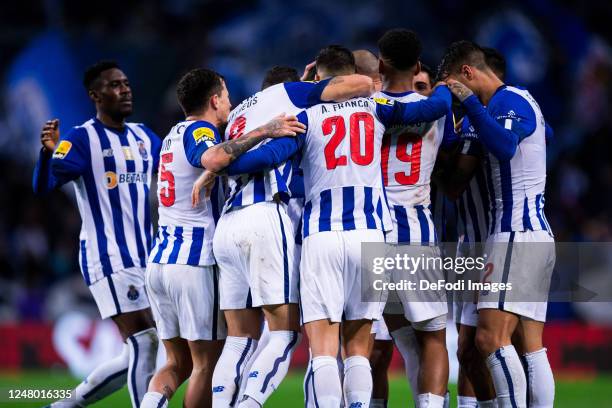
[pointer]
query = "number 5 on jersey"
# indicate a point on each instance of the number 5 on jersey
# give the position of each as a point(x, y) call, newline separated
point(167, 194)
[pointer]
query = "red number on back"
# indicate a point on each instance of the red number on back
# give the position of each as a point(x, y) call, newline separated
point(167, 195)
point(238, 127)
point(334, 124)
point(368, 125)
point(336, 127)
point(401, 152)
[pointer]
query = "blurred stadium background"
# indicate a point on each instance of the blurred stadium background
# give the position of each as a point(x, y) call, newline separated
point(50, 332)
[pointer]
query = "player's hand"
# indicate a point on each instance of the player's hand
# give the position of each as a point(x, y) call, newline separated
point(307, 71)
point(461, 91)
point(282, 126)
point(206, 181)
point(50, 135)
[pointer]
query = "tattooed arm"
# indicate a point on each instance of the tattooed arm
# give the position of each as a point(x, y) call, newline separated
point(218, 157)
point(342, 88)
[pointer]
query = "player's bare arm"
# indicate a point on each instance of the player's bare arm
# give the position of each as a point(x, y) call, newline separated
point(344, 87)
point(206, 181)
point(50, 135)
point(220, 156)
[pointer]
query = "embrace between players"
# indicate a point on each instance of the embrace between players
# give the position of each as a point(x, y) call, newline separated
point(260, 229)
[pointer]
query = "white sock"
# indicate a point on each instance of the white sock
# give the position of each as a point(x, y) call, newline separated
point(143, 356)
point(357, 381)
point(248, 402)
point(447, 399)
point(540, 380)
point(228, 371)
point(154, 400)
point(104, 380)
point(378, 403)
point(326, 379)
point(487, 404)
point(466, 402)
point(307, 384)
point(261, 344)
point(271, 364)
point(508, 377)
point(429, 400)
point(406, 343)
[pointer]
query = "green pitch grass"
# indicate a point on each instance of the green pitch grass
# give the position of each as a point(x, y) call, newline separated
point(592, 393)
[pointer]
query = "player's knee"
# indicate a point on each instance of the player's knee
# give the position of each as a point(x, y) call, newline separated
point(487, 341)
point(181, 365)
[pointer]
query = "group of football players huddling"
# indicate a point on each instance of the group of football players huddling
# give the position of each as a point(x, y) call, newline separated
point(263, 211)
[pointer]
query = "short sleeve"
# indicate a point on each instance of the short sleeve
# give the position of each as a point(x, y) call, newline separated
point(305, 94)
point(198, 137)
point(71, 157)
point(514, 113)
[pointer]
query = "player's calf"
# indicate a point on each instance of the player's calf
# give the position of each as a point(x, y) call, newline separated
point(540, 380)
point(474, 377)
point(244, 329)
point(493, 339)
point(204, 355)
point(380, 359)
point(323, 337)
point(166, 381)
point(357, 371)
point(271, 364)
point(433, 361)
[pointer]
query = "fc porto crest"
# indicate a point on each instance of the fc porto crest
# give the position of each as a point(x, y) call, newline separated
point(142, 150)
point(133, 293)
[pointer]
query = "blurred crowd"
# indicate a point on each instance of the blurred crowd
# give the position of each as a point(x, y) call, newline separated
point(560, 53)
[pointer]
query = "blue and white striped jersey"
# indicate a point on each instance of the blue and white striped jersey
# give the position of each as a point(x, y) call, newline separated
point(341, 163)
point(515, 172)
point(185, 233)
point(112, 172)
point(407, 163)
point(341, 158)
point(473, 205)
point(289, 98)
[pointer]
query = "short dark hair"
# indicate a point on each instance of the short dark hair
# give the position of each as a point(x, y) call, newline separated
point(279, 74)
point(196, 87)
point(335, 59)
point(400, 48)
point(427, 69)
point(461, 53)
point(92, 73)
point(496, 61)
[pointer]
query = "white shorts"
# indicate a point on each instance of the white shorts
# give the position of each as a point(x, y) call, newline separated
point(185, 301)
point(418, 306)
point(526, 260)
point(330, 277)
point(380, 329)
point(121, 292)
point(255, 248)
point(465, 313)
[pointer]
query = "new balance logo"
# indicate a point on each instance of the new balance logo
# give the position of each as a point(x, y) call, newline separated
point(218, 388)
point(253, 374)
point(356, 405)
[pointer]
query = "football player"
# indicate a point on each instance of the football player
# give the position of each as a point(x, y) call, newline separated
point(110, 162)
point(511, 127)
